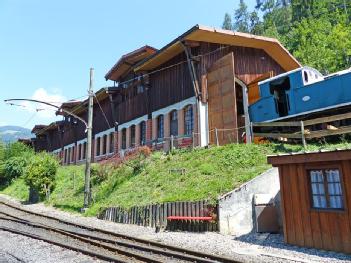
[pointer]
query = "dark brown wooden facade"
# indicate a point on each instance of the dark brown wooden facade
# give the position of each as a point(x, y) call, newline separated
point(311, 216)
point(141, 88)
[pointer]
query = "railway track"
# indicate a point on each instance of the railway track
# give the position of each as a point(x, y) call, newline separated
point(98, 243)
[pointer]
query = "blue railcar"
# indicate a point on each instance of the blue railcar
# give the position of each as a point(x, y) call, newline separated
point(299, 92)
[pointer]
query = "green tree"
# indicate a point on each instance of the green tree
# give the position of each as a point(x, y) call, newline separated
point(320, 44)
point(227, 23)
point(241, 18)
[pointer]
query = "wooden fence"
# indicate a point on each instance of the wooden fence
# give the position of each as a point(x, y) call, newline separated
point(156, 215)
point(304, 132)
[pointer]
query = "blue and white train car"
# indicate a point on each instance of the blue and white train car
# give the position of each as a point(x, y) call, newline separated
point(299, 92)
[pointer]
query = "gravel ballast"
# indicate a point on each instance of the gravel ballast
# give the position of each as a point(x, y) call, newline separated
point(267, 248)
point(17, 248)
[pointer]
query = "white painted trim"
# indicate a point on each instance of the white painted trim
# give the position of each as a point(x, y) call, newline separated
point(57, 150)
point(106, 132)
point(176, 106)
point(69, 146)
point(82, 141)
point(132, 122)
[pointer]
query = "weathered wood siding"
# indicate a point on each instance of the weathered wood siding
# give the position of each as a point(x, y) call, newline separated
point(170, 85)
point(304, 226)
point(249, 63)
point(156, 215)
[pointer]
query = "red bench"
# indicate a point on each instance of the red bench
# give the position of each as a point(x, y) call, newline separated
point(199, 218)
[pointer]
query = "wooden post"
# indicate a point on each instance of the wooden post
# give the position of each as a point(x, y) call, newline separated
point(303, 134)
point(87, 189)
point(216, 135)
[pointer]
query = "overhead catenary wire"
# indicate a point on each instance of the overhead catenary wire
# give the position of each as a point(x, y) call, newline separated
point(102, 111)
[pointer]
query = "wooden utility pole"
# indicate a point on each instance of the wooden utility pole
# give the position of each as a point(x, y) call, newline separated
point(87, 190)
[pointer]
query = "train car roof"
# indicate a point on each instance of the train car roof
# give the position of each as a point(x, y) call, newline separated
point(288, 73)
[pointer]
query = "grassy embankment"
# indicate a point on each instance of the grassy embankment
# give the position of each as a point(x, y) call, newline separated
point(208, 173)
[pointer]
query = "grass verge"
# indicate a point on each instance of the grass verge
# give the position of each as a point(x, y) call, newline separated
point(207, 174)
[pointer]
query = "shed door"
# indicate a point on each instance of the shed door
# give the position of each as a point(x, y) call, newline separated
point(222, 113)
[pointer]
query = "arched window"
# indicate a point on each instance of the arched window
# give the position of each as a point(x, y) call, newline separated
point(124, 138)
point(104, 144)
point(143, 133)
point(160, 131)
point(98, 146)
point(188, 120)
point(84, 150)
point(112, 142)
point(174, 122)
point(132, 136)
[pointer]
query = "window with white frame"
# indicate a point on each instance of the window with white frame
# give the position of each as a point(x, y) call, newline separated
point(112, 142)
point(132, 136)
point(104, 144)
point(143, 133)
point(98, 139)
point(84, 150)
point(173, 118)
point(79, 151)
point(160, 128)
point(124, 138)
point(188, 120)
point(326, 188)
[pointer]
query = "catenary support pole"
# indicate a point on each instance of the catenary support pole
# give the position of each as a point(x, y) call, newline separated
point(87, 190)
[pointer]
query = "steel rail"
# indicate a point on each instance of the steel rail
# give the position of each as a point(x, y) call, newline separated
point(87, 238)
point(77, 236)
point(189, 252)
point(64, 245)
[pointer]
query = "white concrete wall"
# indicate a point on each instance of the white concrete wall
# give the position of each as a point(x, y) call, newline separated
point(236, 209)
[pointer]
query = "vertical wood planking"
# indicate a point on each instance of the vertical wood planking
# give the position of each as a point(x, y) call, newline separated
point(296, 206)
point(290, 234)
point(305, 205)
point(345, 218)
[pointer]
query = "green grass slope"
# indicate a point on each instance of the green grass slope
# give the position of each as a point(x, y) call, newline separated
point(208, 173)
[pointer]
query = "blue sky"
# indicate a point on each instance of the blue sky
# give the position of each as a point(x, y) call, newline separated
point(47, 47)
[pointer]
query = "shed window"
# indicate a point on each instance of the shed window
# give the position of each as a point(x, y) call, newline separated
point(189, 120)
point(124, 138)
point(143, 133)
point(326, 189)
point(160, 132)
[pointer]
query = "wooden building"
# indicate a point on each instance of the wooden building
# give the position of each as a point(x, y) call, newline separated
point(196, 84)
point(315, 193)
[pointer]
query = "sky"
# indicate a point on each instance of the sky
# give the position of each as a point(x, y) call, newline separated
point(48, 47)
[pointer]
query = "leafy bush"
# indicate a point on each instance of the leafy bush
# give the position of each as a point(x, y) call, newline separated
point(16, 149)
point(14, 167)
point(40, 173)
point(101, 172)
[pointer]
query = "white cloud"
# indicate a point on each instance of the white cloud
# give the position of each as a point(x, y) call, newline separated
point(44, 111)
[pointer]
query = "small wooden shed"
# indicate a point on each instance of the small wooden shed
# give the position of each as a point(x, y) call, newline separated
point(315, 192)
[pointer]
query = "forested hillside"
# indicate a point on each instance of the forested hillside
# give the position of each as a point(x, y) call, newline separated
point(316, 32)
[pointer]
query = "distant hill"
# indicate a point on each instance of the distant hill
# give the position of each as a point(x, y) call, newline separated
point(13, 133)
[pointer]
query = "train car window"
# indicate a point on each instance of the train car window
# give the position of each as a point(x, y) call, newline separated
point(305, 76)
point(278, 89)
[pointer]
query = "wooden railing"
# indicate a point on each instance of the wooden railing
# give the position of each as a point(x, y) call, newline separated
point(304, 133)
